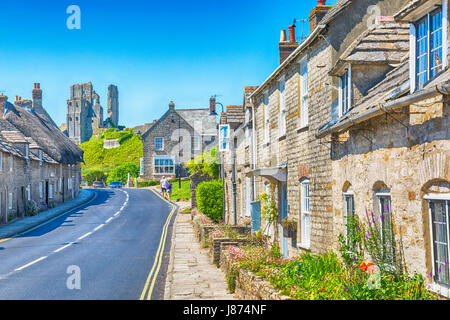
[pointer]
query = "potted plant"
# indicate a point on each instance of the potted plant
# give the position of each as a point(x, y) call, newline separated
point(289, 227)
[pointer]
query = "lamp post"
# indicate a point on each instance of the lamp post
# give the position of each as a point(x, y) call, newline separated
point(222, 170)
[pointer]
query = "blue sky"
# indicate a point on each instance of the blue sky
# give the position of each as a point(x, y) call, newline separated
point(154, 51)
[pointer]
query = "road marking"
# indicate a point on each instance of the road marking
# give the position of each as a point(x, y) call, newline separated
point(116, 214)
point(109, 220)
point(99, 227)
point(84, 236)
point(31, 263)
point(63, 247)
point(158, 258)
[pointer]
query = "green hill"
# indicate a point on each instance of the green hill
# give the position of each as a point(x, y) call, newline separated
point(99, 159)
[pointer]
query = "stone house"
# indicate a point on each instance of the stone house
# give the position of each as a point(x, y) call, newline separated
point(39, 165)
point(237, 160)
point(174, 139)
point(290, 106)
point(390, 149)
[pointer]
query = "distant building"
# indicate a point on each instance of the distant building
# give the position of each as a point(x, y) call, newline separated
point(174, 139)
point(85, 113)
point(39, 165)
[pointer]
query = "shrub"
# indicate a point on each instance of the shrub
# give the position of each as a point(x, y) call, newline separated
point(121, 173)
point(210, 199)
point(148, 183)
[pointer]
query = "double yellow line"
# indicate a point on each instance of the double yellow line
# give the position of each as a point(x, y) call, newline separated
point(151, 279)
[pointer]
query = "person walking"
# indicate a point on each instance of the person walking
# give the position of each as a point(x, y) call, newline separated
point(163, 184)
point(169, 189)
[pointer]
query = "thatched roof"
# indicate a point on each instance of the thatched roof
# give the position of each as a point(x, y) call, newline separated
point(41, 128)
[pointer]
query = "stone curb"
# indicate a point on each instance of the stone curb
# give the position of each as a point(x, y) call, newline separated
point(169, 277)
point(45, 216)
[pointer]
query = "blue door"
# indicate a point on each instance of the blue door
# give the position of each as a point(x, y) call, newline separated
point(283, 214)
point(256, 215)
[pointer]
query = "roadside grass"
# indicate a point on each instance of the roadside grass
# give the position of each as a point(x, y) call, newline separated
point(182, 193)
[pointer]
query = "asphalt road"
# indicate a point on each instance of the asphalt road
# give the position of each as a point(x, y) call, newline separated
point(103, 250)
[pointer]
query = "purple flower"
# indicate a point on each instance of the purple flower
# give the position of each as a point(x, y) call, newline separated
point(431, 275)
point(359, 229)
point(387, 207)
point(439, 270)
point(354, 258)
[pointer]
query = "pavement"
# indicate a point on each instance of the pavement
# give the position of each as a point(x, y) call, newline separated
point(191, 275)
point(18, 225)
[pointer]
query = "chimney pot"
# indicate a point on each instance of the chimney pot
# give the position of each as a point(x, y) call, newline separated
point(283, 36)
point(317, 14)
point(212, 105)
point(321, 2)
point(292, 33)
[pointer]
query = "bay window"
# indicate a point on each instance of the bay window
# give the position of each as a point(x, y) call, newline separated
point(163, 165)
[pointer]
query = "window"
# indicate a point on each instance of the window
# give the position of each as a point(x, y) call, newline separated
point(41, 189)
point(10, 200)
point(429, 48)
point(349, 202)
point(69, 183)
point(248, 197)
point(60, 185)
point(1, 161)
point(303, 93)
point(195, 143)
point(383, 208)
point(50, 191)
point(11, 163)
point(305, 228)
point(28, 190)
point(282, 115)
point(345, 92)
point(439, 217)
point(266, 116)
point(164, 165)
point(40, 158)
point(159, 143)
point(27, 151)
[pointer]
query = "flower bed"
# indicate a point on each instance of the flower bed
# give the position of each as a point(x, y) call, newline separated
point(256, 273)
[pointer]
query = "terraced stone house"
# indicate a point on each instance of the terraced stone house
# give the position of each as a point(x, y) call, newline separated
point(290, 107)
point(39, 165)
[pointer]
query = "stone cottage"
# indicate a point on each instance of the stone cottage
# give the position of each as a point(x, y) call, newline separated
point(390, 147)
point(39, 165)
point(174, 139)
point(237, 160)
point(291, 105)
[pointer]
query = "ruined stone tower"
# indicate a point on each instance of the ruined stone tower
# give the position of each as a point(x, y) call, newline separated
point(84, 112)
point(113, 105)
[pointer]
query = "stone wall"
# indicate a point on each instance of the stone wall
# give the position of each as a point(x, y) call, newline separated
point(410, 156)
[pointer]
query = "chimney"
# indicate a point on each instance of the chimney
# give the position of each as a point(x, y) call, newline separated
point(3, 100)
point(37, 97)
point(317, 14)
point(212, 106)
point(287, 47)
point(171, 106)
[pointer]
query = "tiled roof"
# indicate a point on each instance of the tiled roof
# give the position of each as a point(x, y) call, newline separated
point(387, 43)
point(395, 84)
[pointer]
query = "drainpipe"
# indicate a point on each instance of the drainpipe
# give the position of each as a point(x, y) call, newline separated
point(442, 89)
point(253, 146)
point(233, 179)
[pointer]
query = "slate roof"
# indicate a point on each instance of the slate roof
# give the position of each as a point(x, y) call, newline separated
point(208, 121)
point(395, 85)
point(386, 43)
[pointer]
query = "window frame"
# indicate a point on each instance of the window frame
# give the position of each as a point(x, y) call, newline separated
point(10, 200)
point(163, 166)
point(155, 143)
point(305, 214)
point(266, 117)
point(345, 92)
point(413, 62)
point(197, 148)
point(304, 93)
point(431, 199)
point(282, 112)
point(348, 195)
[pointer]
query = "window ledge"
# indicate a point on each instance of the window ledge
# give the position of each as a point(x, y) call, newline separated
point(302, 128)
point(304, 247)
point(282, 137)
point(438, 288)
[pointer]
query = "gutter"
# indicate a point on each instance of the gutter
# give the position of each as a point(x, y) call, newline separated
point(441, 89)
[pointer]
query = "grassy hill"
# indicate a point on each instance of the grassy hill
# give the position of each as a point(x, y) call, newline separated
point(100, 159)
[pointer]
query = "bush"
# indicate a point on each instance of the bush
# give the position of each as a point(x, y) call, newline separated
point(148, 183)
point(121, 173)
point(94, 175)
point(210, 199)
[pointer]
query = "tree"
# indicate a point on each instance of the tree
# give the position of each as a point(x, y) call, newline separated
point(206, 163)
point(120, 173)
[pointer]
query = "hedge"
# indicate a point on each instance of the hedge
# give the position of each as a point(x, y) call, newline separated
point(209, 196)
